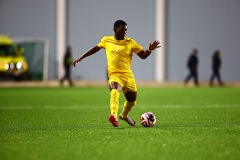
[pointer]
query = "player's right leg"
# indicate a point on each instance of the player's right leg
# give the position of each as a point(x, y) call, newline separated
point(115, 89)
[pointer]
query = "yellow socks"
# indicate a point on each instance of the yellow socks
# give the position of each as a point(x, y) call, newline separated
point(114, 102)
point(127, 108)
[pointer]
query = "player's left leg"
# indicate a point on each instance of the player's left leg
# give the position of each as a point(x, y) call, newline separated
point(130, 93)
point(128, 105)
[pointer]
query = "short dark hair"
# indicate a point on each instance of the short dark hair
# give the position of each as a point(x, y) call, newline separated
point(119, 23)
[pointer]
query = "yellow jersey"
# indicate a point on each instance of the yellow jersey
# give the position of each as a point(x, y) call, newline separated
point(119, 53)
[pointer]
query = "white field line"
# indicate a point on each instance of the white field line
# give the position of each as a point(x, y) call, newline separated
point(193, 106)
point(48, 107)
point(86, 107)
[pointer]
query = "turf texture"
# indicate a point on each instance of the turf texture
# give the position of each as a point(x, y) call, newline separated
point(44, 123)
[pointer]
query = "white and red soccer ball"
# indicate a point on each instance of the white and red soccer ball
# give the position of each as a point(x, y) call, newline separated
point(148, 119)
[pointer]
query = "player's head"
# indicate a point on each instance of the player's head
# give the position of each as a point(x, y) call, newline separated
point(120, 29)
point(118, 23)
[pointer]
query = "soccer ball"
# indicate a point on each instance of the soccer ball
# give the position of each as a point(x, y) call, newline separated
point(148, 119)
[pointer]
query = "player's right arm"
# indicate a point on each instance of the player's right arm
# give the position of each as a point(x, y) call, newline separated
point(90, 52)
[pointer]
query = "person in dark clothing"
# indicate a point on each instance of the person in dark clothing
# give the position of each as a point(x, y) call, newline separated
point(67, 62)
point(216, 65)
point(192, 65)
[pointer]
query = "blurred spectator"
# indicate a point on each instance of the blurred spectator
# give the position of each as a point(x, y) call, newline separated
point(192, 65)
point(216, 65)
point(67, 62)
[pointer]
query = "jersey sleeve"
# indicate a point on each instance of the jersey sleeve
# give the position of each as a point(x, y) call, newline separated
point(136, 48)
point(101, 44)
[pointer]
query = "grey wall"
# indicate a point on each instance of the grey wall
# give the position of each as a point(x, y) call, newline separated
point(89, 20)
point(30, 18)
point(206, 25)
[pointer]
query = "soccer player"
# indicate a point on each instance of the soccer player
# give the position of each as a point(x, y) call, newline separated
point(119, 52)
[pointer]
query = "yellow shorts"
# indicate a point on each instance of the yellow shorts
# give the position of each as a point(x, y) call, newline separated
point(126, 80)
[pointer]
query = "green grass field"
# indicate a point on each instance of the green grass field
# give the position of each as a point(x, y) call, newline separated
point(72, 123)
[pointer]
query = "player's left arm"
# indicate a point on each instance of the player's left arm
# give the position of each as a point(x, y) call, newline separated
point(143, 54)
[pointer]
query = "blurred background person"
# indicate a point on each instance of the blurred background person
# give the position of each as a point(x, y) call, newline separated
point(192, 65)
point(216, 65)
point(67, 62)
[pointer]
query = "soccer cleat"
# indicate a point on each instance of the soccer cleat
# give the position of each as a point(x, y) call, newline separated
point(129, 120)
point(113, 120)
